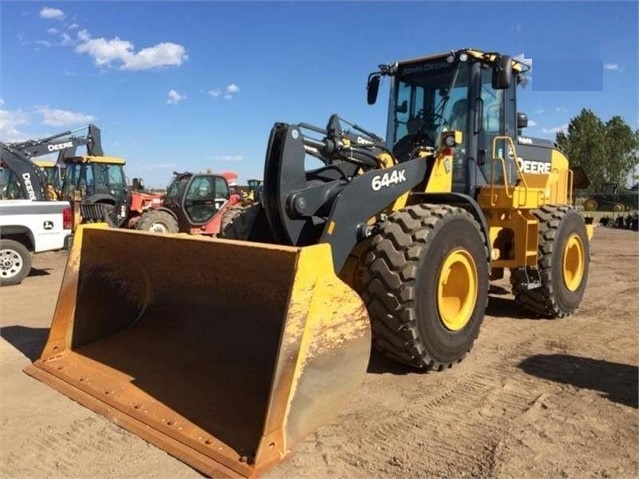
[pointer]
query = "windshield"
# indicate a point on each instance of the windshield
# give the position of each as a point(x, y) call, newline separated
point(429, 97)
point(175, 189)
point(52, 175)
point(93, 178)
point(109, 178)
point(10, 188)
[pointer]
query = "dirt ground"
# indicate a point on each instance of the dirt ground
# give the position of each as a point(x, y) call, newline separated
point(534, 398)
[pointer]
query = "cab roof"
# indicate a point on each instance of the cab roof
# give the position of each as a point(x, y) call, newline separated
point(488, 57)
point(114, 160)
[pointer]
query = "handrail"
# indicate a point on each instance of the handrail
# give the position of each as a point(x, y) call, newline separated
point(520, 175)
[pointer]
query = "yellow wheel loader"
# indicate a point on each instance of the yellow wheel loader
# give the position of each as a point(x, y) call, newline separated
point(227, 352)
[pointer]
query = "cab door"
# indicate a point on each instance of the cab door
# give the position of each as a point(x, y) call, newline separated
point(204, 197)
point(495, 116)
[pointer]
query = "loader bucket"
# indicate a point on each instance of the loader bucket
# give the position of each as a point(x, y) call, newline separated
point(222, 353)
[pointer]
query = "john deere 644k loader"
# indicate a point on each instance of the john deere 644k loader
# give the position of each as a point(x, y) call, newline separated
point(226, 352)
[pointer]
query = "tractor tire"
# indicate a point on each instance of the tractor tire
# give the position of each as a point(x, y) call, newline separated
point(425, 285)
point(237, 222)
point(563, 264)
point(15, 262)
point(157, 221)
point(591, 204)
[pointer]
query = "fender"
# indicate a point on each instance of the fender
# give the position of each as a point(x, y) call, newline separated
point(99, 198)
point(162, 208)
point(460, 200)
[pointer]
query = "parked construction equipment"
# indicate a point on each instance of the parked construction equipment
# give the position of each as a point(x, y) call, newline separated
point(613, 198)
point(192, 204)
point(21, 178)
point(227, 352)
point(100, 179)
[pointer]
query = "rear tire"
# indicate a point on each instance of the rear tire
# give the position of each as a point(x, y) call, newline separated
point(157, 221)
point(237, 222)
point(15, 262)
point(563, 264)
point(425, 284)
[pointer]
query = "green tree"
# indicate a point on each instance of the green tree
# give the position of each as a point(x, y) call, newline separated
point(606, 151)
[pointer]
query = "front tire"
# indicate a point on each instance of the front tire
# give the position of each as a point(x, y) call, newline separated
point(157, 221)
point(425, 284)
point(15, 262)
point(563, 264)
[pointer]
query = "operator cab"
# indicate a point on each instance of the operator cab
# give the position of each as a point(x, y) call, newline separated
point(465, 91)
point(95, 177)
point(195, 199)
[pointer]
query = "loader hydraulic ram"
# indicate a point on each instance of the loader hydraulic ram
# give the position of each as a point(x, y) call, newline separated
point(225, 352)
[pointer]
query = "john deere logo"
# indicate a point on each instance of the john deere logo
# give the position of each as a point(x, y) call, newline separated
point(47, 225)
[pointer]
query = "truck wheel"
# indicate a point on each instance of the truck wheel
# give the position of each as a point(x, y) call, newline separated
point(157, 221)
point(237, 222)
point(15, 262)
point(425, 284)
point(563, 263)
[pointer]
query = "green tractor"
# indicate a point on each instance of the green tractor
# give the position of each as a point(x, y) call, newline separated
point(613, 198)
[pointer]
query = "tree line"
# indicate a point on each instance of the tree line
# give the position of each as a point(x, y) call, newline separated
point(607, 151)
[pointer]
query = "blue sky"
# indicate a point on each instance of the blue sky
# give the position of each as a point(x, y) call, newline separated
point(197, 85)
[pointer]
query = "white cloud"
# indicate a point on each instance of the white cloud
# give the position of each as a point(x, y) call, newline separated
point(121, 53)
point(73, 26)
point(229, 91)
point(162, 54)
point(532, 123)
point(561, 110)
point(557, 129)
point(1, 102)
point(65, 40)
point(55, 117)
point(230, 158)
point(540, 111)
point(49, 13)
point(175, 97)
point(9, 123)
point(611, 66)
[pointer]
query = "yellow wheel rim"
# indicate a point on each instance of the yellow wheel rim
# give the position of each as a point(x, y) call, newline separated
point(573, 262)
point(457, 289)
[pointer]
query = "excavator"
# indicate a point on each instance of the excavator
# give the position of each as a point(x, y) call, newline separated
point(227, 352)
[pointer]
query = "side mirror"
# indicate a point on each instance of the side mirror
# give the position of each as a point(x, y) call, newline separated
point(372, 88)
point(502, 72)
point(522, 120)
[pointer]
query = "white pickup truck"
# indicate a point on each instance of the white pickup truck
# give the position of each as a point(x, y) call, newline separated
point(27, 227)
